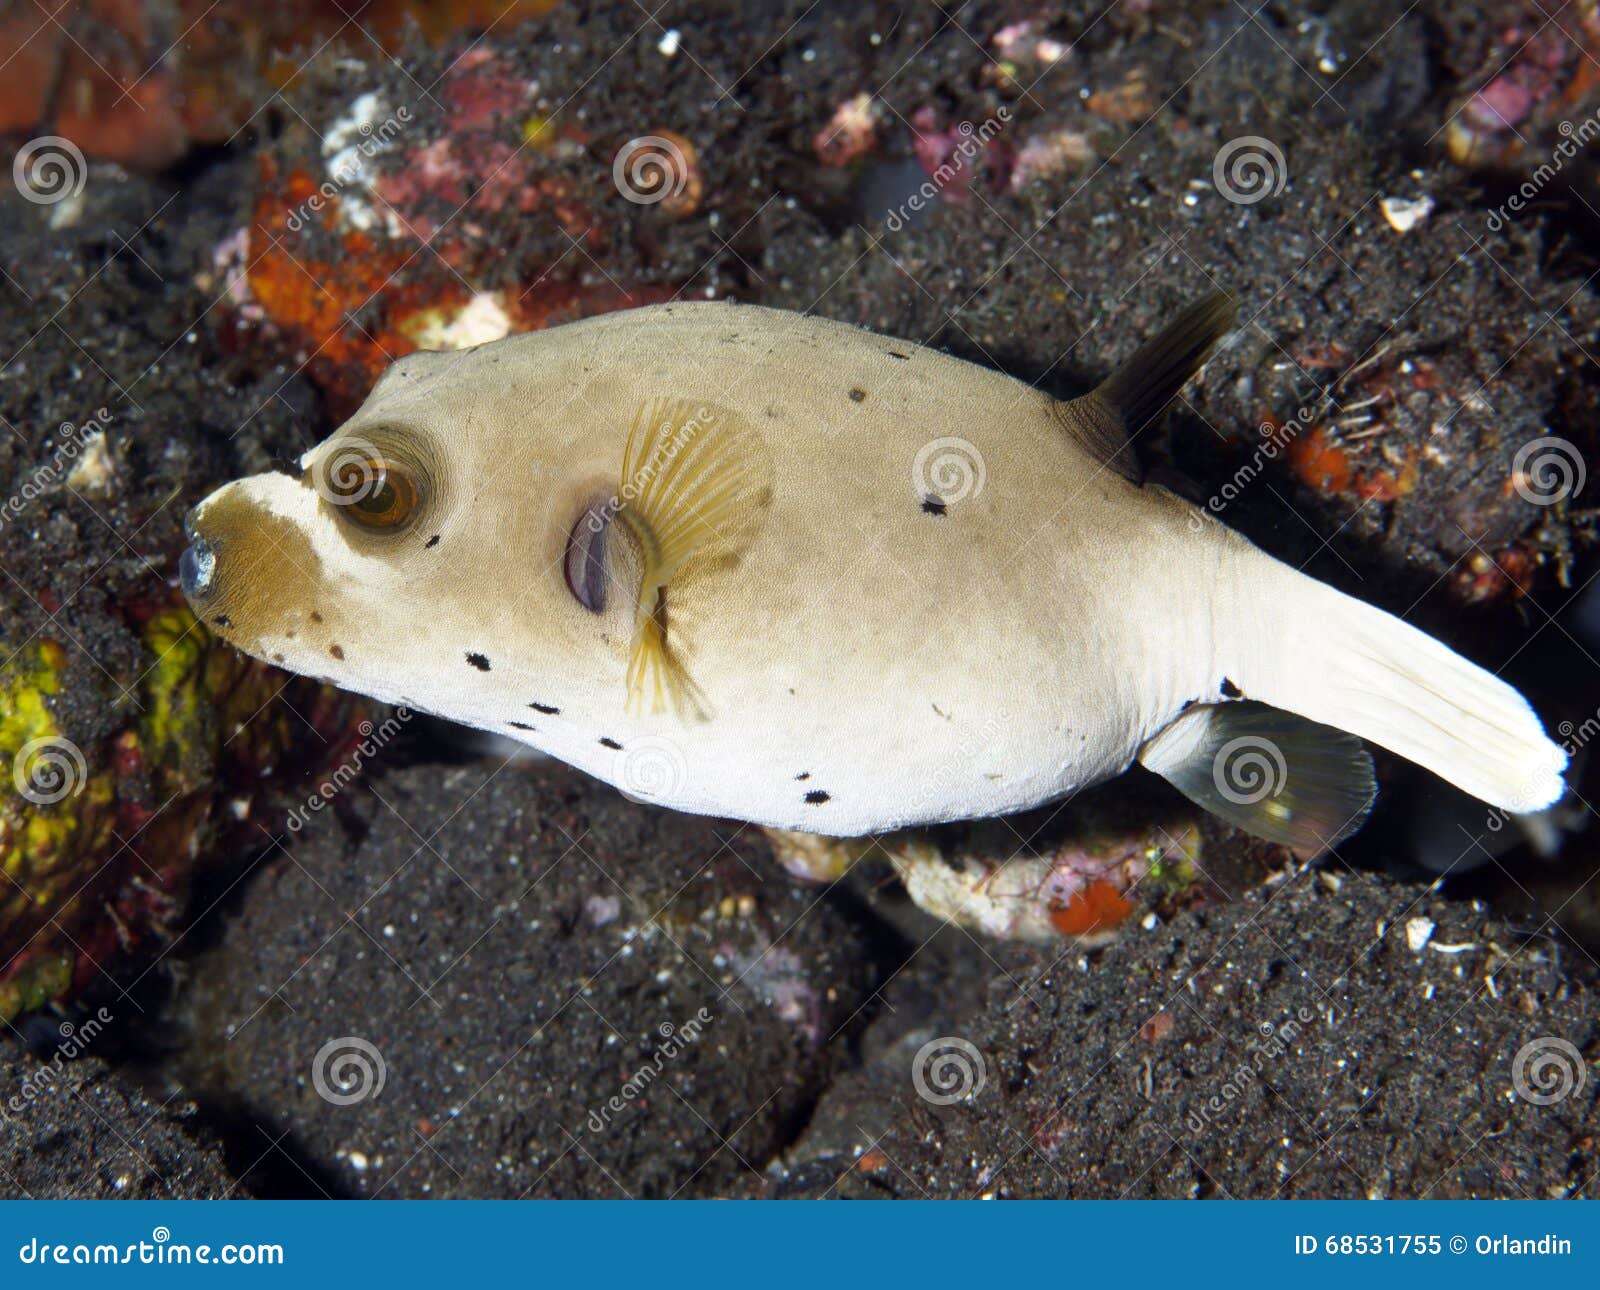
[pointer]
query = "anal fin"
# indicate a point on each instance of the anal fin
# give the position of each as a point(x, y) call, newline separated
point(1268, 772)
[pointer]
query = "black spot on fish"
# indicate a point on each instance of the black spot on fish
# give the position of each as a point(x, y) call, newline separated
point(933, 505)
point(803, 775)
point(337, 651)
point(1230, 690)
point(546, 709)
point(433, 541)
point(606, 742)
point(479, 661)
point(857, 395)
point(895, 353)
point(315, 616)
point(521, 725)
point(816, 797)
point(277, 658)
point(222, 620)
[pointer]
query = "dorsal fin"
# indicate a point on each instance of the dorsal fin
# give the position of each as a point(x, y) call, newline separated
point(1108, 419)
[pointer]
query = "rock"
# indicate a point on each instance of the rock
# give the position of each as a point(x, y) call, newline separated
point(83, 1130)
point(436, 1009)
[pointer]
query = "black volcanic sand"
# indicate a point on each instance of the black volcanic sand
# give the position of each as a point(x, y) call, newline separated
point(512, 940)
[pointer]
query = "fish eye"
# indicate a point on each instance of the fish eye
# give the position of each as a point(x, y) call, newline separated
point(373, 491)
point(585, 564)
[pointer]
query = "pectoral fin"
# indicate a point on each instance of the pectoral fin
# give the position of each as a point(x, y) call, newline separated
point(1268, 772)
point(695, 481)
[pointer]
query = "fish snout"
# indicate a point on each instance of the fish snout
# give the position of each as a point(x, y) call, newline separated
point(197, 566)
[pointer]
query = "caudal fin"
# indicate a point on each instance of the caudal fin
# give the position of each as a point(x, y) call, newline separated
point(1331, 658)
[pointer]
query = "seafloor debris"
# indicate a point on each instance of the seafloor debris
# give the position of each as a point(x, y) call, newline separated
point(1541, 76)
point(990, 878)
point(98, 842)
point(428, 225)
point(142, 81)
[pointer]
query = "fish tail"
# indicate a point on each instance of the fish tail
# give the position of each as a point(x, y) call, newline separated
point(1333, 659)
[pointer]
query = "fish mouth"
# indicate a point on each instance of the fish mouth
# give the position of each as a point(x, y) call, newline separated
point(197, 566)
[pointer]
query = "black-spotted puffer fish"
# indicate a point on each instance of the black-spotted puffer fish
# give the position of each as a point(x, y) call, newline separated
point(766, 566)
